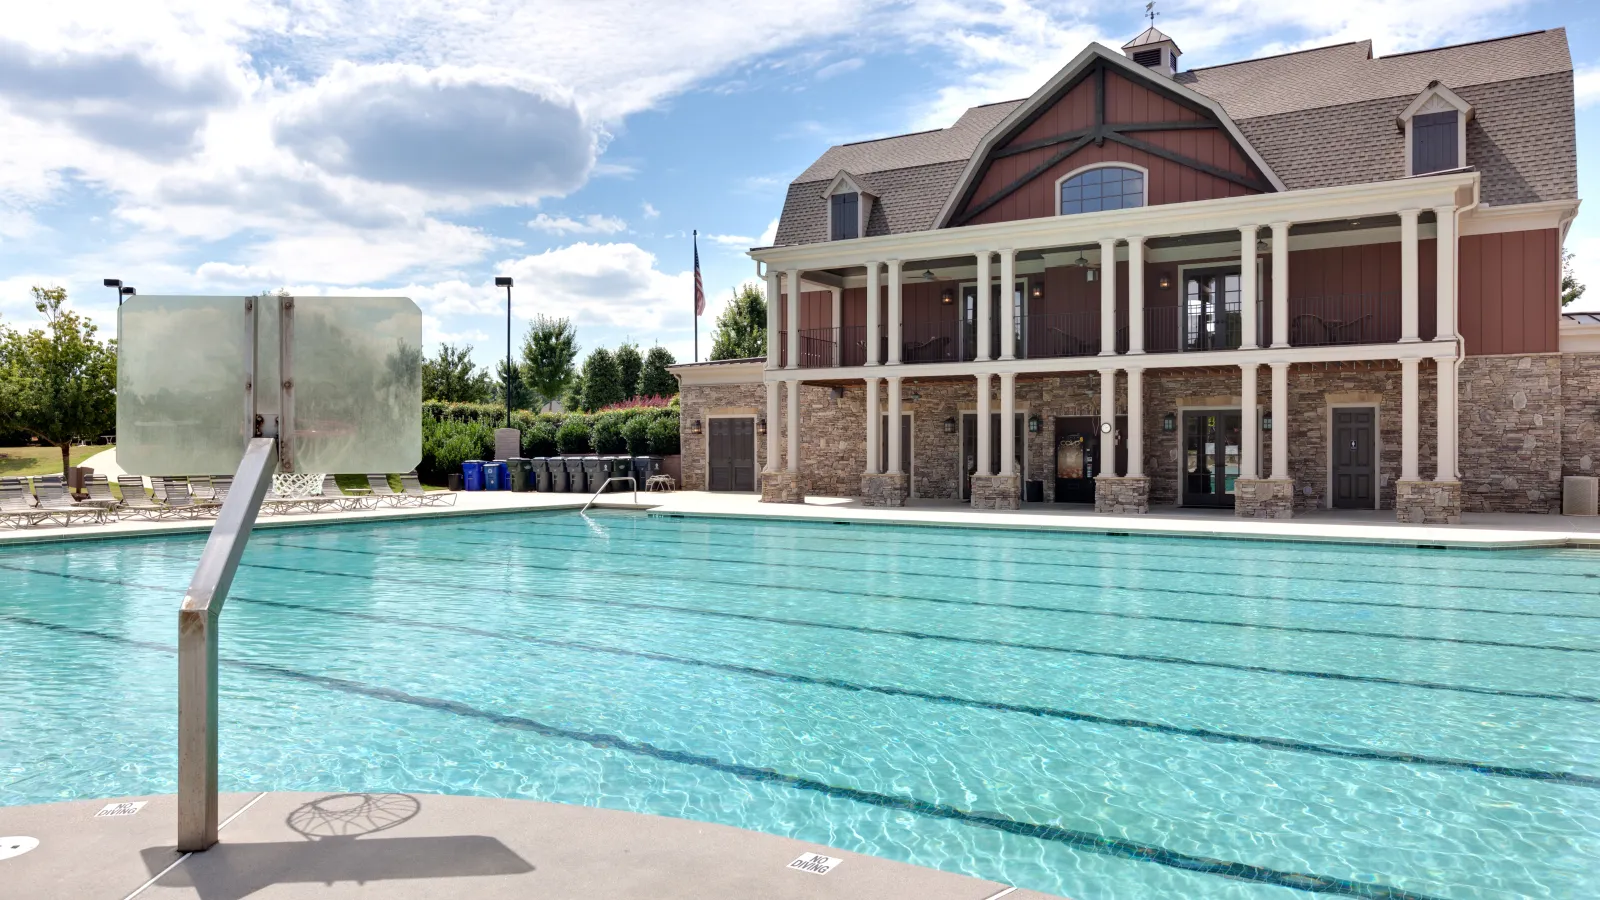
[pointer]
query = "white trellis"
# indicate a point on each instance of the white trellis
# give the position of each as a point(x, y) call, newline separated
point(296, 484)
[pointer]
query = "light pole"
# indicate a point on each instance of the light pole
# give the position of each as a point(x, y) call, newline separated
point(505, 282)
point(125, 292)
point(116, 285)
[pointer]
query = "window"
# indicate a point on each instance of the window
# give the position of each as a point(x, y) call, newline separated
point(1433, 142)
point(846, 216)
point(1109, 187)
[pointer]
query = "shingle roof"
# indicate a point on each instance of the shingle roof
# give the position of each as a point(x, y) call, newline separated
point(1151, 35)
point(920, 149)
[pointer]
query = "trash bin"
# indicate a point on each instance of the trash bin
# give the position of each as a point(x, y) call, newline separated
point(557, 471)
point(538, 474)
point(494, 476)
point(644, 467)
point(472, 474)
point(594, 474)
point(618, 467)
point(520, 468)
point(575, 477)
point(1034, 492)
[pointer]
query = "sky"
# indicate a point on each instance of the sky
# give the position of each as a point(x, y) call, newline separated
point(423, 148)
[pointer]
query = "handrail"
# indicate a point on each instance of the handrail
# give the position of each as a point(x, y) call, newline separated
point(600, 490)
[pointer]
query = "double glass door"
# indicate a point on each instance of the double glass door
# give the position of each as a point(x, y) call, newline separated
point(1210, 457)
point(1211, 299)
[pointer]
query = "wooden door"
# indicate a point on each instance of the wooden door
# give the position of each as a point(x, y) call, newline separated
point(1355, 471)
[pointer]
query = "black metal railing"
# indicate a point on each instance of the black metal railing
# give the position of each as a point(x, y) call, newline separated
point(853, 345)
point(1358, 318)
point(1057, 335)
point(1211, 326)
point(928, 342)
point(817, 347)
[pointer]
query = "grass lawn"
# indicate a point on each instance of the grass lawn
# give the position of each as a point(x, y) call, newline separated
point(30, 461)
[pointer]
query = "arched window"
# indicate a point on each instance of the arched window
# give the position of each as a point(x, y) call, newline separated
point(1105, 187)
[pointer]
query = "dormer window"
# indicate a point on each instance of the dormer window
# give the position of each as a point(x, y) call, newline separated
point(1435, 128)
point(849, 205)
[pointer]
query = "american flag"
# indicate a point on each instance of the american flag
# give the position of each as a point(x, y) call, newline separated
point(699, 286)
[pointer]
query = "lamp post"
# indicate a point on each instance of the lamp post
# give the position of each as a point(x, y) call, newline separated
point(116, 285)
point(505, 282)
point(124, 293)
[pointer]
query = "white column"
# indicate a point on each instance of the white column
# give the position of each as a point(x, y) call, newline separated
point(1249, 422)
point(1408, 275)
point(893, 435)
point(1108, 416)
point(834, 323)
point(985, 465)
point(1280, 421)
point(985, 287)
point(895, 340)
point(1008, 304)
point(1447, 419)
point(1008, 426)
point(1247, 288)
point(791, 324)
point(874, 449)
point(1108, 298)
point(770, 464)
point(774, 297)
point(1410, 417)
point(1446, 303)
point(1280, 290)
point(1135, 423)
point(1135, 297)
point(874, 300)
point(792, 462)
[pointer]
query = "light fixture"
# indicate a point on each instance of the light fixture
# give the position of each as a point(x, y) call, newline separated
point(694, 427)
point(1169, 422)
point(947, 296)
point(116, 285)
point(950, 425)
point(1105, 427)
point(761, 425)
point(928, 275)
point(838, 393)
point(1165, 282)
point(1089, 275)
point(1033, 424)
point(1262, 245)
point(127, 291)
point(1266, 422)
point(1037, 291)
point(1081, 262)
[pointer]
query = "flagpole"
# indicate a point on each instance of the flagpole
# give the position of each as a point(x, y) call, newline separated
point(695, 304)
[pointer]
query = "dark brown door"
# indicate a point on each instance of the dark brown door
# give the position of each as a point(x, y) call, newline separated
point(732, 460)
point(1354, 467)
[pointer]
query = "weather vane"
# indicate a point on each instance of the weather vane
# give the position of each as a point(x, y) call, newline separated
point(1150, 12)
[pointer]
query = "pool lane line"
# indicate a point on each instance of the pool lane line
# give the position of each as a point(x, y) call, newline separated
point(924, 636)
point(946, 601)
point(179, 861)
point(1120, 848)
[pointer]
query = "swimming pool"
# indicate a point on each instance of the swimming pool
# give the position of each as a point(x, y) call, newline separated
point(1095, 716)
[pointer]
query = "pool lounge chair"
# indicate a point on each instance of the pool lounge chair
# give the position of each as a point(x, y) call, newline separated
point(412, 486)
point(333, 496)
point(177, 497)
point(53, 501)
point(135, 502)
point(382, 493)
point(16, 509)
point(98, 487)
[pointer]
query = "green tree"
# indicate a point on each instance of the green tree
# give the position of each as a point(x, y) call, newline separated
point(1571, 287)
point(548, 351)
point(629, 362)
point(654, 379)
point(453, 378)
point(602, 380)
point(741, 330)
point(521, 396)
point(572, 397)
point(60, 382)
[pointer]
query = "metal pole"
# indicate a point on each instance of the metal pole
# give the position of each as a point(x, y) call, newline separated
point(198, 622)
point(508, 356)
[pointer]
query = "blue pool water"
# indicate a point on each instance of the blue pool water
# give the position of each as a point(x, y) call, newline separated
point(1094, 716)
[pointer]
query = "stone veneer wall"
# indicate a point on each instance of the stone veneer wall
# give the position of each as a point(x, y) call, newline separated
point(1580, 413)
point(1511, 434)
point(696, 402)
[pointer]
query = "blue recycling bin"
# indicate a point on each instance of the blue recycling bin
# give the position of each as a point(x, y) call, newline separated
point(494, 475)
point(472, 475)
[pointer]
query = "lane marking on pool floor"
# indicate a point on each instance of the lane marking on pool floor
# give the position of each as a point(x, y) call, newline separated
point(179, 861)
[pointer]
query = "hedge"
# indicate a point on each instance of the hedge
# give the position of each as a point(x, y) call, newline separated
point(453, 433)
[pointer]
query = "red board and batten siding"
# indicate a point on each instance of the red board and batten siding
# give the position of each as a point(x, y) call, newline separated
point(1510, 292)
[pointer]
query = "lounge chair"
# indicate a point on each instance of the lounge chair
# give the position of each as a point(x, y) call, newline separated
point(200, 487)
point(220, 485)
point(53, 501)
point(98, 487)
point(332, 496)
point(138, 503)
point(412, 486)
point(176, 496)
point(16, 509)
point(382, 493)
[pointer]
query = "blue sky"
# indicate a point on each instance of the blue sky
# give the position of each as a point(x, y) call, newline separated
point(231, 146)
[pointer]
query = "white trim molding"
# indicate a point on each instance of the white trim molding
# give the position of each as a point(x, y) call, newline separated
point(1519, 217)
point(1144, 194)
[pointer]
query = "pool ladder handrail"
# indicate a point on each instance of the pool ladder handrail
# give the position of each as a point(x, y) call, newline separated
point(602, 488)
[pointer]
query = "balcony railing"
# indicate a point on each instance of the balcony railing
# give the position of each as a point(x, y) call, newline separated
point(1361, 318)
point(929, 342)
point(817, 347)
point(1060, 334)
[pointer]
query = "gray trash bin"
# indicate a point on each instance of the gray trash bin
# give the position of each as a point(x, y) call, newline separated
point(618, 467)
point(539, 474)
point(594, 474)
point(644, 467)
point(575, 477)
point(520, 470)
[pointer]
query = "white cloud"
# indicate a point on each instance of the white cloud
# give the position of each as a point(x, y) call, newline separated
point(1586, 85)
point(840, 68)
point(768, 234)
point(613, 285)
point(590, 224)
point(650, 212)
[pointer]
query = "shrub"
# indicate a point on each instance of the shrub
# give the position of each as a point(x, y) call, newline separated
point(539, 438)
point(573, 436)
point(642, 403)
point(664, 435)
point(607, 435)
point(637, 434)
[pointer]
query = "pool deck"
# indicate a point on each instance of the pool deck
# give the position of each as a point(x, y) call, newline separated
point(287, 846)
point(1478, 530)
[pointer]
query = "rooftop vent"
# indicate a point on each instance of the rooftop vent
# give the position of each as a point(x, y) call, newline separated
point(1154, 51)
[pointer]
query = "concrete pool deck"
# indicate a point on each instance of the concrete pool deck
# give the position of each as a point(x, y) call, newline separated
point(287, 846)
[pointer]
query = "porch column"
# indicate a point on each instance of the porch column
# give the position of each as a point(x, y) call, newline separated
point(1108, 421)
point(1135, 296)
point(893, 437)
point(874, 299)
point(1008, 304)
point(985, 466)
point(1247, 290)
point(893, 266)
point(1280, 292)
point(1108, 298)
point(985, 287)
point(1409, 418)
point(774, 293)
point(1135, 422)
point(1249, 421)
point(1280, 421)
point(1447, 419)
point(770, 464)
point(792, 320)
point(1408, 275)
point(874, 449)
point(1008, 426)
point(793, 460)
point(1445, 314)
point(834, 322)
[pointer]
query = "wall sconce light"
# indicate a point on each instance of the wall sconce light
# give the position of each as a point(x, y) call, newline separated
point(1089, 275)
point(1038, 290)
point(1165, 282)
point(947, 296)
point(1033, 424)
point(1169, 422)
point(913, 396)
point(1266, 422)
point(950, 425)
point(694, 427)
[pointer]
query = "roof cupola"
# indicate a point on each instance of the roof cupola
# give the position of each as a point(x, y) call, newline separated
point(1155, 51)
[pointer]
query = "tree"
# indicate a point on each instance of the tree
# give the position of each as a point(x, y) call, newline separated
point(60, 382)
point(572, 397)
point(741, 330)
point(548, 351)
point(629, 363)
point(602, 380)
point(521, 396)
point(654, 379)
point(1571, 287)
point(453, 378)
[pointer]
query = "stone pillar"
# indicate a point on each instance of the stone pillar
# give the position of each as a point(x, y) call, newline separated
point(1269, 498)
point(874, 449)
point(791, 323)
point(874, 301)
point(771, 464)
point(892, 434)
point(774, 295)
point(1249, 422)
point(1247, 287)
point(1263, 498)
point(780, 484)
point(1108, 297)
point(889, 488)
point(1410, 418)
point(985, 465)
point(1135, 295)
point(792, 428)
point(895, 339)
point(1408, 275)
point(1445, 308)
point(984, 288)
point(834, 322)
point(1280, 285)
point(1008, 304)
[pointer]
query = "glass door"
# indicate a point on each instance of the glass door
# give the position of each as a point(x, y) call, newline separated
point(1211, 309)
point(1210, 457)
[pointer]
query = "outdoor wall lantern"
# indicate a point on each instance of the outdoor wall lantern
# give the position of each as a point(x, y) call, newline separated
point(1169, 422)
point(950, 425)
point(1165, 282)
point(1038, 290)
point(761, 425)
point(947, 296)
point(1266, 422)
point(1033, 424)
point(694, 427)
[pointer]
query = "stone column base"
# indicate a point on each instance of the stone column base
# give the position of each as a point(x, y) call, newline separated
point(1428, 502)
point(1122, 496)
point(996, 492)
point(883, 489)
point(1263, 498)
point(781, 487)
